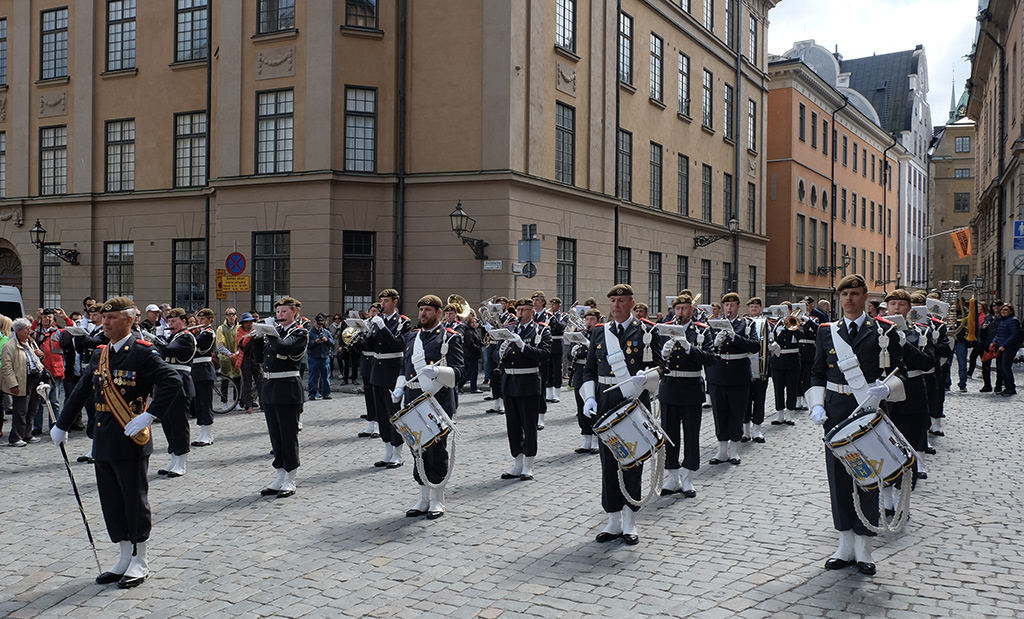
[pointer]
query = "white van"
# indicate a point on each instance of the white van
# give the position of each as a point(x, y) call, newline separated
point(10, 302)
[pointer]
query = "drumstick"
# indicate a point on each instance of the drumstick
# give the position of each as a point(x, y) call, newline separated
point(861, 406)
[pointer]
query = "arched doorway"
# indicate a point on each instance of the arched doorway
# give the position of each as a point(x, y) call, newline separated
point(10, 268)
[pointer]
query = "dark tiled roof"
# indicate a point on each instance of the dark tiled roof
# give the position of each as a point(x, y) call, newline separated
point(883, 80)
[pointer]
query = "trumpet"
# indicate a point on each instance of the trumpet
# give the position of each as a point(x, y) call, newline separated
point(791, 322)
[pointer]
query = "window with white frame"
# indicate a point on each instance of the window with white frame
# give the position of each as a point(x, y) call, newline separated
point(120, 35)
point(624, 165)
point(565, 144)
point(729, 105)
point(274, 131)
point(683, 185)
point(707, 101)
point(190, 149)
point(565, 24)
point(120, 155)
point(656, 175)
point(625, 48)
point(54, 44)
point(684, 84)
point(53, 160)
point(275, 16)
point(119, 269)
point(192, 23)
point(657, 67)
point(654, 282)
point(360, 129)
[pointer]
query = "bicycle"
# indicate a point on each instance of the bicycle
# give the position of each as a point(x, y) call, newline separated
point(225, 400)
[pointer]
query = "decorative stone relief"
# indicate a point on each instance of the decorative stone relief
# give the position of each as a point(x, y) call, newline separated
point(752, 168)
point(565, 78)
point(273, 63)
point(15, 214)
point(53, 105)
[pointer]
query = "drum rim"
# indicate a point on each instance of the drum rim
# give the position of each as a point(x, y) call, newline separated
point(861, 432)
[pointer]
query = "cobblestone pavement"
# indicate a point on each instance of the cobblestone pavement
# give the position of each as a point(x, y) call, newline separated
point(751, 544)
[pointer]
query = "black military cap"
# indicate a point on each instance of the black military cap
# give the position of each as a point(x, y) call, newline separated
point(117, 304)
point(430, 300)
point(620, 290)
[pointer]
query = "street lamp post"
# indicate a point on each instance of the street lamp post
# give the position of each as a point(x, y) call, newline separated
point(463, 223)
point(38, 236)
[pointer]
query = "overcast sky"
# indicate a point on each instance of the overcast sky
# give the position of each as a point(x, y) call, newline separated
point(863, 27)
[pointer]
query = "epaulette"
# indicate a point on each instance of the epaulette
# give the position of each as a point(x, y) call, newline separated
point(144, 342)
point(101, 346)
point(700, 324)
point(827, 324)
point(599, 325)
point(938, 321)
point(647, 321)
point(450, 330)
point(884, 321)
point(543, 324)
point(403, 317)
point(416, 330)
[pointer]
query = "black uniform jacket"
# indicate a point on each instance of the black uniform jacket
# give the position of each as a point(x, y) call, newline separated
point(432, 342)
point(282, 354)
point(673, 390)
point(138, 371)
point(204, 370)
point(735, 370)
point(537, 340)
point(387, 341)
point(787, 340)
point(631, 342)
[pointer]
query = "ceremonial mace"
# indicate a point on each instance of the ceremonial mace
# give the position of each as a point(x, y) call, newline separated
point(44, 391)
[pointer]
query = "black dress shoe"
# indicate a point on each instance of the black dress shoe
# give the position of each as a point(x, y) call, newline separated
point(837, 564)
point(380, 464)
point(107, 578)
point(776, 422)
point(631, 539)
point(922, 475)
point(930, 451)
point(83, 458)
point(326, 397)
point(375, 435)
point(434, 515)
point(284, 494)
point(868, 569)
point(667, 492)
point(745, 439)
point(789, 423)
point(603, 537)
point(172, 474)
point(689, 493)
point(889, 513)
point(394, 465)
point(201, 443)
point(758, 439)
point(595, 450)
point(509, 476)
point(582, 450)
point(161, 472)
point(716, 461)
point(415, 513)
point(363, 435)
point(985, 389)
point(128, 583)
point(268, 492)
point(734, 460)
point(526, 477)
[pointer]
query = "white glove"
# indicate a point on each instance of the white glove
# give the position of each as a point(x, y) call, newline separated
point(720, 339)
point(685, 343)
point(138, 424)
point(879, 390)
point(729, 333)
point(518, 341)
point(639, 380)
point(396, 395)
point(666, 350)
point(430, 372)
point(504, 348)
point(818, 414)
point(774, 348)
point(590, 407)
point(59, 436)
point(377, 320)
point(902, 337)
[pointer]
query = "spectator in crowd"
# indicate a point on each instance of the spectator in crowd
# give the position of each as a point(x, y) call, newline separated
point(21, 370)
point(48, 338)
point(472, 350)
point(227, 346)
point(985, 338)
point(318, 353)
point(1006, 340)
point(5, 400)
point(252, 373)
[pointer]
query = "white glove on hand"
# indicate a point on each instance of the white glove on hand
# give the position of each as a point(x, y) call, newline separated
point(685, 343)
point(639, 380)
point(879, 390)
point(902, 337)
point(720, 339)
point(504, 348)
point(140, 423)
point(590, 407)
point(396, 395)
point(818, 414)
point(666, 350)
point(430, 372)
point(377, 320)
point(59, 436)
point(518, 341)
point(774, 348)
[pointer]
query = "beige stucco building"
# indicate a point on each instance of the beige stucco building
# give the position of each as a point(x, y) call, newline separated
point(953, 200)
point(341, 134)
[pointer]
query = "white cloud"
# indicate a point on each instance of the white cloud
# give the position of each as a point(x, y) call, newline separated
point(945, 27)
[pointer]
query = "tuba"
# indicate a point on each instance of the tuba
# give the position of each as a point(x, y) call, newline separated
point(462, 306)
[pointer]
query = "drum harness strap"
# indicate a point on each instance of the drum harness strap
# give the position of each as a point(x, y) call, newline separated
point(430, 385)
point(849, 365)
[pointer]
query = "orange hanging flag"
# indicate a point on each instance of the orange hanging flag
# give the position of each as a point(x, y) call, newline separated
point(962, 240)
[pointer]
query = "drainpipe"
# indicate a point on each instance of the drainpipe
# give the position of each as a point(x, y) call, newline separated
point(615, 143)
point(885, 211)
point(832, 230)
point(206, 165)
point(1002, 158)
point(403, 9)
point(735, 127)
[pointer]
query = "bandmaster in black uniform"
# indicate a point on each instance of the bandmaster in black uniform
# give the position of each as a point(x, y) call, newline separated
point(385, 340)
point(178, 352)
point(123, 374)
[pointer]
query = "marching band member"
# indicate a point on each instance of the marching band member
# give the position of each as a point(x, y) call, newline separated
point(943, 365)
point(125, 372)
point(542, 316)
point(911, 416)
point(851, 357)
point(557, 323)
point(753, 415)
point(615, 374)
point(785, 362)
point(281, 398)
point(729, 378)
point(433, 363)
point(495, 359)
point(579, 359)
point(451, 319)
point(642, 311)
point(681, 393)
point(86, 345)
point(808, 331)
point(203, 375)
point(366, 358)
point(522, 357)
point(385, 340)
point(178, 353)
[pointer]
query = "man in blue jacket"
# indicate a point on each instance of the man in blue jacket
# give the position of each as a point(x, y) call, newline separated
point(318, 352)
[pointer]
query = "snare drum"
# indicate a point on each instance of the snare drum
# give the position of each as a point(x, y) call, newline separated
point(630, 432)
point(871, 449)
point(422, 423)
